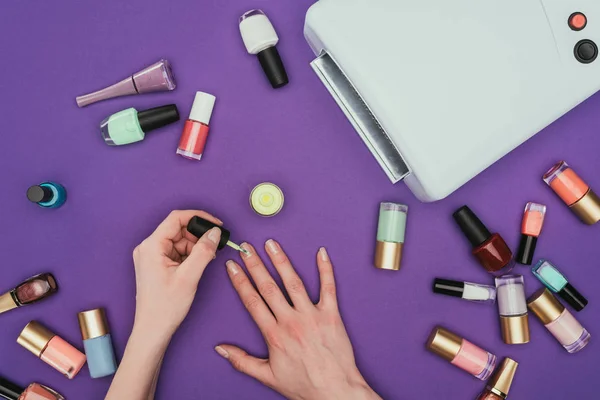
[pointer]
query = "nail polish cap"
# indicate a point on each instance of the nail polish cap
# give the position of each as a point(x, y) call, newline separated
point(501, 381)
point(573, 297)
point(199, 226)
point(9, 390)
point(444, 343)
point(93, 323)
point(202, 107)
point(158, 117)
point(448, 287)
point(39, 194)
point(545, 306)
point(471, 226)
point(35, 337)
point(526, 249)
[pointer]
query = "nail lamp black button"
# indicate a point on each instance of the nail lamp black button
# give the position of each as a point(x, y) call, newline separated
point(586, 51)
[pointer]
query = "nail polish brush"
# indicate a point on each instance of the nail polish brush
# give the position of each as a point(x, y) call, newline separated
point(199, 226)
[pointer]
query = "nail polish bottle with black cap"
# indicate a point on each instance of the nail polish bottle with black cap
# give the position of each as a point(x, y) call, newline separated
point(130, 126)
point(491, 250)
point(47, 194)
point(260, 38)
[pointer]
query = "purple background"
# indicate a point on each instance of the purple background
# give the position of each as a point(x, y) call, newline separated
point(295, 137)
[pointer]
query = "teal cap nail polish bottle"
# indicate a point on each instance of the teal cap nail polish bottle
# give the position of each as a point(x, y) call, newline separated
point(47, 194)
point(130, 126)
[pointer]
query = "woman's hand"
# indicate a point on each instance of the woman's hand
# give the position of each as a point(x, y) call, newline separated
point(310, 354)
point(168, 267)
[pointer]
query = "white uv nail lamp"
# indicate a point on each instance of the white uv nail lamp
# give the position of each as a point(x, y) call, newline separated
point(439, 90)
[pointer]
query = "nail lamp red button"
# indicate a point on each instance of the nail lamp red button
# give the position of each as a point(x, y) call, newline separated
point(577, 21)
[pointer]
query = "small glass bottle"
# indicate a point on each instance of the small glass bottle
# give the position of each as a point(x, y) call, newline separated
point(554, 280)
point(97, 343)
point(390, 235)
point(51, 349)
point(465, 290)
point(461, 353)
point(31, 291)
point(35, 391)
point(558, 320)
point(47, 194)
point(512, 306)
point(499, 385)
point(195, 131)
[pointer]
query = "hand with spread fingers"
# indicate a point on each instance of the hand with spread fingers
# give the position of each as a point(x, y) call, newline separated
point(310, 354)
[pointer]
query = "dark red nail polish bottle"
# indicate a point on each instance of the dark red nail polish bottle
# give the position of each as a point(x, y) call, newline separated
point(490, 249)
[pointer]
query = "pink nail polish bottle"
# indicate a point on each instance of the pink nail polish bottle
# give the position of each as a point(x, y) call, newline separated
point(52, 349)
point(461, 353)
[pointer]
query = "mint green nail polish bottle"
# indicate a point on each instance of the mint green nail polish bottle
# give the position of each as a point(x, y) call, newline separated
point(130, 126)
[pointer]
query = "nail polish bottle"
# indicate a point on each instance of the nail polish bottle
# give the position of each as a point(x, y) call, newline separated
point(47, 195)
point(31, 291)
point(461, 353)
point(554, 280)
point(260, 38)
point(558, 320)
point(390, 236)
point(491, 250)
point(499, 385)
point(52, 349)
point(574, 192)
point(195, 131)
point(35, 391)
point(513, 309)
point(465, 290)
point(531, 227)
point(130, 126)
point(97, 343)
point(157, 77)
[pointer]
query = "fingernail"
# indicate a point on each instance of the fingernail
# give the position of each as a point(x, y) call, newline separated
point(214, 235)
point(232, 267)
point(248, 249)
point(323, 254)
point(272, 246)
point(222, 352)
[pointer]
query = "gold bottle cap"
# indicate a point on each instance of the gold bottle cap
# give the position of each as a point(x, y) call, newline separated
point(444, 343)
point(502, 380)
point(588, 208)
point(35, 337)
point(388, 255)
point(515, 330)
point(93, 323)
point(7, 302)
point(545, 306)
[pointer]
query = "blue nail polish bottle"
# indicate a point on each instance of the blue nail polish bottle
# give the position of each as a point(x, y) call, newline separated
point(97, 343)
point(47, 195)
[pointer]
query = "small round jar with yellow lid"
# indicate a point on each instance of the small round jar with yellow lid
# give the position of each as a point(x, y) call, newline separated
point(266, 199)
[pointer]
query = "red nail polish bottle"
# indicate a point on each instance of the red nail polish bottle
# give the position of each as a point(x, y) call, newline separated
point(195, 131)
point(490, 249)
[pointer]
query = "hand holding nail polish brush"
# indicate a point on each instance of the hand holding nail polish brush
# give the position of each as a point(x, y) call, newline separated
point(199, 226)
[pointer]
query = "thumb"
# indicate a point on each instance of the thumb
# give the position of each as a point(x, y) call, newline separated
point(256, 368)
point(202, 253)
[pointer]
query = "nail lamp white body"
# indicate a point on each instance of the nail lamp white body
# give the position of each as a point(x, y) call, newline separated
point(453, 85)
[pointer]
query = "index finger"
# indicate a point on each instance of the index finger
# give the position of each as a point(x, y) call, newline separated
point(173, 227)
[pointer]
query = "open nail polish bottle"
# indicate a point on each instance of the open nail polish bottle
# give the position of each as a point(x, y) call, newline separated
point(157, 77)
point(390, 236)
point(260, 38)
point(491, 250)
point(130, 126)
point(31, 291)
point(575, 193)
point(531, 227)
point(461, 353)
point(47, 194)
point(512, 306)
point(97, 343)
point(554, 280)
point(558, 320)
point(499, 385)
point(51, 349)
point(35, 391)
point(195, 131)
